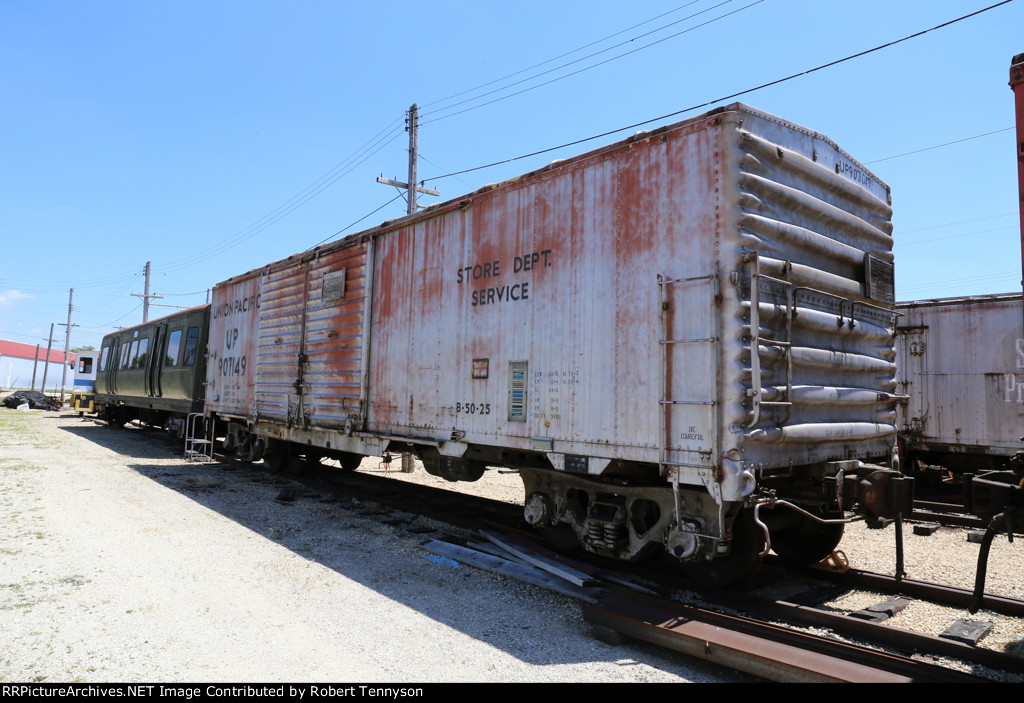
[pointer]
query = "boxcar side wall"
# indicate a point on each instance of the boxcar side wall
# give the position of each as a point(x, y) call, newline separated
point(231, 370)
point(602, 282)
point(530, 318)
point(961, 364)
point(310, 340)
point(288, 344)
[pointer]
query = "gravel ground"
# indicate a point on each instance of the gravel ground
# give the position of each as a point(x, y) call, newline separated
point(120, 562)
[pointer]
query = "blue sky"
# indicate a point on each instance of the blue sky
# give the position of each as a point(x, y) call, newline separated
point(213, 137)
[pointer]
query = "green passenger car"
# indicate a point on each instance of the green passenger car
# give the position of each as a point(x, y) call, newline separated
point(154, 372)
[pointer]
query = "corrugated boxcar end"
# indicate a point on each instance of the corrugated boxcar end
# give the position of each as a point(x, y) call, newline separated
point(655, 333)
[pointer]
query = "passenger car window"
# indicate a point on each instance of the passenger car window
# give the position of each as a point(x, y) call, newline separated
point(173, 345)
point(126, 354)
point(191, 342)
point(141, 353)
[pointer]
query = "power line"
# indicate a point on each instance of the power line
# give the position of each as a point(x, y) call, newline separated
point(954, 236)
point(584, 58)
point(960, 222)
point(100, 328)
point(121, 290)
point(24, 283)
point(938, 146)
point(278, 214)
point(442, 168)
point(561, 56)
point(986, 278)
point(726, 97)
point(350, 226)
point(178, 295)
point(376, 144)
point(18, 334)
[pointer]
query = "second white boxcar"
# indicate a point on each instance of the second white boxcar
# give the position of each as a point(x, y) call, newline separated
point(664, 335)
point(961, 366)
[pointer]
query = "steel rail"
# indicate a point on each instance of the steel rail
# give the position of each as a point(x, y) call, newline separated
point(768, 651)
point(876, 633)
point(932, 592)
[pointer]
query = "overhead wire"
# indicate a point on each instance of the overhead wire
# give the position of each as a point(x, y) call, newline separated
point(584, 58)
point(420, 154)
point(986, 278)
point(339, 171)
point(26, 336)
point(105, 326)
point(938, 146)
point(953, 236)
point(121, 290)
point(726, 97)
point(353, 224)
point(960, 222)
point(98, 282)
point(370, 148)
point(560, 56)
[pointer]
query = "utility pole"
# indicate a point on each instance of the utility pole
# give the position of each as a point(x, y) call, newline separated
point(414, 130)
point(412, 126)
point(67, 345)
point(146, 296)
point(35, 365)
point(46, 362)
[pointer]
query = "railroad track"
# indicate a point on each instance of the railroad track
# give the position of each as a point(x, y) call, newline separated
point(740, 630)
point(945, 513)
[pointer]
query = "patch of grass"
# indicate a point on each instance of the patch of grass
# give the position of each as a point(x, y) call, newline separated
point(15, 420)
point(16, 465)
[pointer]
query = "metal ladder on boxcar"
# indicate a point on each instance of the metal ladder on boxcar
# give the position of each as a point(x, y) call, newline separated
point(756, 339)
point(704, 471)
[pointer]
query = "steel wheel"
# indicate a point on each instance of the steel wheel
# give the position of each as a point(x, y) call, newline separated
point(278, 456)
point(809, 542)
point(744, 557)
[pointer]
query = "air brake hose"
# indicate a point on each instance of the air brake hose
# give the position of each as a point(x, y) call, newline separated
point(900, 567)
point(994, 528)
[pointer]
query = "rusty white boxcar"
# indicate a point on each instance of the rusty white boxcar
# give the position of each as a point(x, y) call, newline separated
point(960, 361)
point(664, 335)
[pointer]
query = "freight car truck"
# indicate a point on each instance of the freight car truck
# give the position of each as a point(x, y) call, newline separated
point(683, 341)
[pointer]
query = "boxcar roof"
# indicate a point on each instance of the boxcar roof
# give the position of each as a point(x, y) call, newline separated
point(465, 199)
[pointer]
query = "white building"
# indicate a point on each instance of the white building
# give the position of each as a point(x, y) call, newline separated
point(18, 362)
